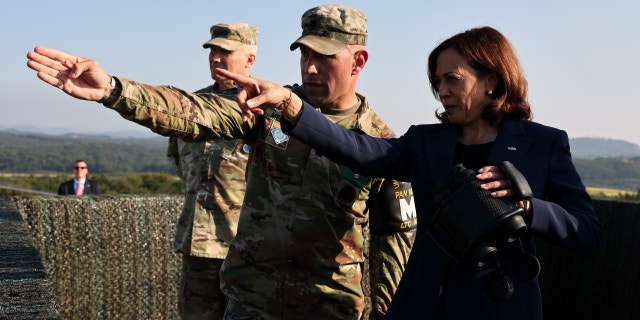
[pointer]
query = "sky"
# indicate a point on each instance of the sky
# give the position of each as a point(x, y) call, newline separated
point(580, 56)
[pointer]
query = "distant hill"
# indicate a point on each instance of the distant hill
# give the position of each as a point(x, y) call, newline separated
point(607, 163)
point(615, 173)
point(582, 147)
point(22, 152)
point(601, 162)
point(589, 148)
point(56, 131)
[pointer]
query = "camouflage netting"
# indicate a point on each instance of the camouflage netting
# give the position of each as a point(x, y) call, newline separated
point(574, 287)
point(109, 257)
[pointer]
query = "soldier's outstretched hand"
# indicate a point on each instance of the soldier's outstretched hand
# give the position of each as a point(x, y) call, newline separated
point(258, 94)
point(79, 77)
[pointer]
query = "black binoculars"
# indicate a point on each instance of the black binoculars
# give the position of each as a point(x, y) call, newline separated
point(474, 223)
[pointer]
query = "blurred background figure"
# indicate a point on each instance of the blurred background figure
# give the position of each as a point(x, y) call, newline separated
point(79, 185)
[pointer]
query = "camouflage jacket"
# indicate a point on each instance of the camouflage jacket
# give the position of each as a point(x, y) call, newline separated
point(213, 176)
point(299, 244)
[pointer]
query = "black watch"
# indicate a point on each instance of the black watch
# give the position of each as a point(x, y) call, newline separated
point(110, 96)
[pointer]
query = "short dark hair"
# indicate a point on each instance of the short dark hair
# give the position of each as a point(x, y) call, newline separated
point(488, 51)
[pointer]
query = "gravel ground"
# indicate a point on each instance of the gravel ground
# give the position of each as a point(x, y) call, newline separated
point(25, 291)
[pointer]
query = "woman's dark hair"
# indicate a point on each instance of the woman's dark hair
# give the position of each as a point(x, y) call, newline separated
point(487, 51)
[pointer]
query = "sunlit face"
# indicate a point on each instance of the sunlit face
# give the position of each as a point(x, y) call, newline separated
point(326, 79)
point(234, 61)
point(462, 93)
point(80, 170)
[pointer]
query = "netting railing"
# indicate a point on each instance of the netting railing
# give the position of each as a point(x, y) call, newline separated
point(109, 257)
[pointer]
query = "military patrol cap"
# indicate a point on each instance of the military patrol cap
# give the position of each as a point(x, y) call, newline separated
point(231, 36)
point(328, 29)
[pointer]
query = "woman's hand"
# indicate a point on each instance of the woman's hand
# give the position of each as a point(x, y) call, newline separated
point(497, 181)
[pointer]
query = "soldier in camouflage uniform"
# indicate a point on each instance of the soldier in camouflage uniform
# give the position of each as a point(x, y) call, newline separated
point(392, 229)
point(298, 252)
point(213, 176)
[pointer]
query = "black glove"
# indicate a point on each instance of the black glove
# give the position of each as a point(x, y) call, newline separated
point(473, 221)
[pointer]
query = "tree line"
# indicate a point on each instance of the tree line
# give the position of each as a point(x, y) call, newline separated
point(140, 165)
point(121, 165)
point(617, 173)
point(139, 183)
point(38, 153)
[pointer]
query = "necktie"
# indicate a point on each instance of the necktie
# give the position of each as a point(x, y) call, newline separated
point(80, 188)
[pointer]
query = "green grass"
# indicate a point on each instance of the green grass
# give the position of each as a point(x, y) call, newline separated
point(608, 192)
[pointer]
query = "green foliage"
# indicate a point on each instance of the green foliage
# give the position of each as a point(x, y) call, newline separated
point(142, 183)
point(37, 153)
point(618, 173)
point(140, 165)
point(121, 165)
point(617, 196)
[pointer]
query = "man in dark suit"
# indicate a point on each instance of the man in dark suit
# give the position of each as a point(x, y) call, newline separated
point(80, 185)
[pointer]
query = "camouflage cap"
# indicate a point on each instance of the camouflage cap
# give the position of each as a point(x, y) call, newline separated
point(231, 36)
point(328, 29)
